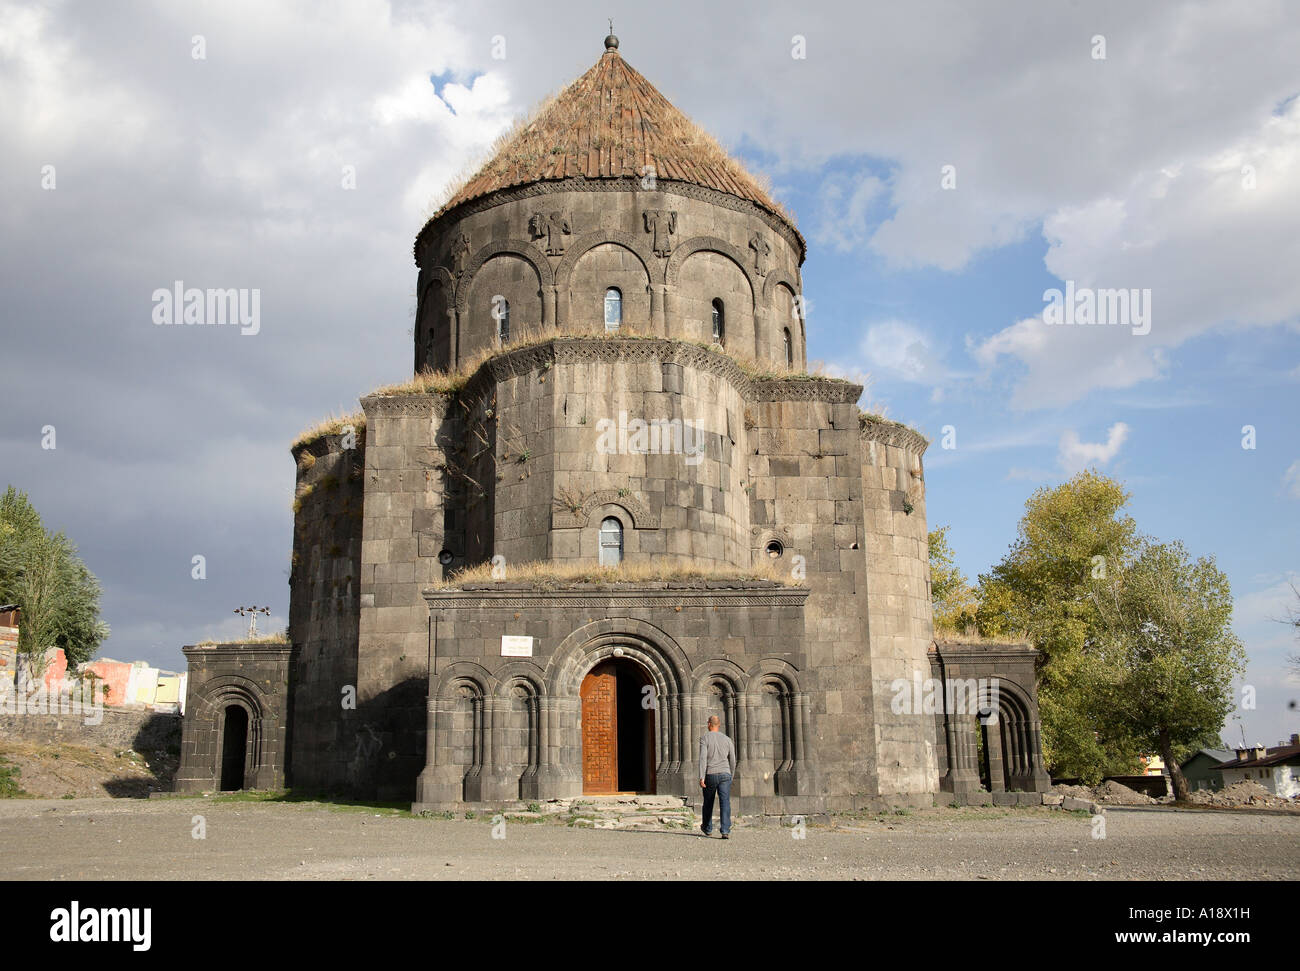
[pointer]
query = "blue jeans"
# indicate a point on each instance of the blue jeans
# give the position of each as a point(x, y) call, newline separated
point(720, 783)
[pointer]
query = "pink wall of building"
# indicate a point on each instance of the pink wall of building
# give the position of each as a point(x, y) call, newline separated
point(115, 675)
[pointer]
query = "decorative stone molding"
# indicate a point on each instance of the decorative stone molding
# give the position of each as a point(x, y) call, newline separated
point(776, 668)
point(719, 669)
point(806, 389)
point(587, 645)
point(740, 593)
point(688, 190)
point(325, 444)
point(441, 274)
point(427, 405)
point(775, 279)
point(526, 251)
point(710, 244)
point(890, 433)
point(237, 652)
point(639, 512)
point(579, 248)
point(577, 350)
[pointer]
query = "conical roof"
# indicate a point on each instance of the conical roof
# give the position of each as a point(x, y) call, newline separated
point(611, 123)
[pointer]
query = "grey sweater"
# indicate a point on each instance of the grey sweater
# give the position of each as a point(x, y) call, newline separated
point(717, 754)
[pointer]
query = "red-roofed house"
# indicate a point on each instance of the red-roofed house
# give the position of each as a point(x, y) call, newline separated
point(1276, 769)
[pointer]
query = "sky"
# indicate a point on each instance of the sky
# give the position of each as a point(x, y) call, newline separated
point(949, 163)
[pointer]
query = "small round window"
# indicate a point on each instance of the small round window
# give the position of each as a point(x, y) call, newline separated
point(775, 550)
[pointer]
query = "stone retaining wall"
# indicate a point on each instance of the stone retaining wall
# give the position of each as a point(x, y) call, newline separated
point(141, 730)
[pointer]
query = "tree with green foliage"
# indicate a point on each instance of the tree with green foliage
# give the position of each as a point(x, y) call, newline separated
point(41, 573)
point(1068, 540)
point(951, 595)
point(1166, 656)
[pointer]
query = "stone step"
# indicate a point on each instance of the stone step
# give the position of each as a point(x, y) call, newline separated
point(611, 812)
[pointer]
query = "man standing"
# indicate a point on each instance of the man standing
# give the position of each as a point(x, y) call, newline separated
point(717, 766)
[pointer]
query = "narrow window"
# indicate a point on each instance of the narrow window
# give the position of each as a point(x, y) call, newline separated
point(789, 349)
point(719, 323)
point(501, 311)
point(613, 309)
point(611, 542)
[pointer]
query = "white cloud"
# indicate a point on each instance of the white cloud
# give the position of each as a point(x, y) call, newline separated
point(1075, 455)
point(226, 172)
point(1291, 479)
point(1267, 606)
point(1214, 254)
point(904, 351)
point(846, 208)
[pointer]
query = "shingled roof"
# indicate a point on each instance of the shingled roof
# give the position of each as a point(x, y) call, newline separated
point(609, 124)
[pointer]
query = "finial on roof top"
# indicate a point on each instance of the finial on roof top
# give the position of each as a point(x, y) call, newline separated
point(611, 42)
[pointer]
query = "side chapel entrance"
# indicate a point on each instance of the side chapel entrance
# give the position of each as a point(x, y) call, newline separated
point(234, 748)
point(618, 729)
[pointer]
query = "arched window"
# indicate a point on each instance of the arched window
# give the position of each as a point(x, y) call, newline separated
point(613, 309)
point(501, 311)
point(789, 348)
point(719, 323)
point(611, 542)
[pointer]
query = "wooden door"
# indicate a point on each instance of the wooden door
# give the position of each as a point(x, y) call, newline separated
point(600, 730)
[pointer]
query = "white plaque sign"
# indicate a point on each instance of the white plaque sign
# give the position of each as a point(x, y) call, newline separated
point(514, 645)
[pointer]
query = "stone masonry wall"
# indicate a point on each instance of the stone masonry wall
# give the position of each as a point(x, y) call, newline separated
point(408, 521)
point(689, 636)
point(325, 582)
point(560, 279)
point(898, 601)
point(807, 497)
point(143, 730)
point(510, 466)
point(255, 677)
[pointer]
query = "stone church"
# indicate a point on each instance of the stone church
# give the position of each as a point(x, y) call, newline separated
point(613, 421)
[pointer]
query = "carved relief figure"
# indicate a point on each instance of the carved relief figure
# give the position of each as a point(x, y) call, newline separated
point(762, 250)
point(459, 255)
point(662, 224)
point(554, 226)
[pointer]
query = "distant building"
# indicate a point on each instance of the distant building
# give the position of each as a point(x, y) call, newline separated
point(8, 643)
point(125, 683)
point(131, 684)
point(1276, 769)
point(1152, 764)
point(1200, 770)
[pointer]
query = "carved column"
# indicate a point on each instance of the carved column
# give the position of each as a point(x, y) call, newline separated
point(441, 784)
point(672, 313)
point(747, 705)
point(548, 306)
point(993, 746)
point(1042, 781)
point(498, 781)
point(657, 324)
point(800, 718)
point(787, 730)
point(562, 306)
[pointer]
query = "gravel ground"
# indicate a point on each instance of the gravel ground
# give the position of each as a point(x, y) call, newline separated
point(146, 839)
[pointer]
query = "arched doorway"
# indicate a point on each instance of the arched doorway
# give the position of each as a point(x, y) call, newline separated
point(618, 728)
point(234, 747)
